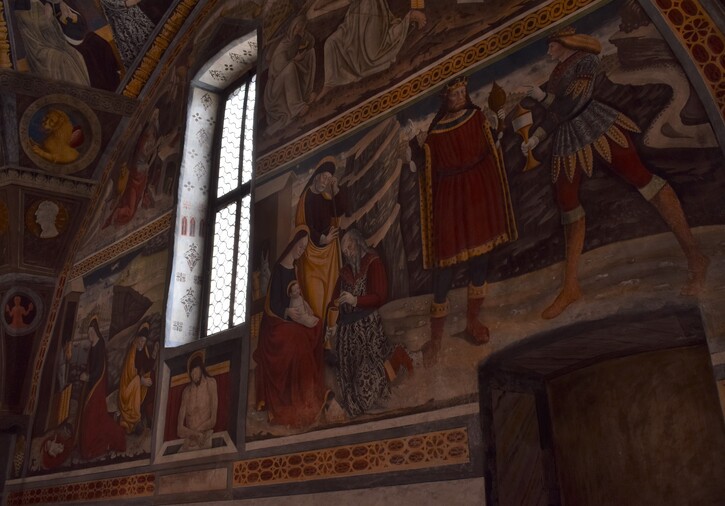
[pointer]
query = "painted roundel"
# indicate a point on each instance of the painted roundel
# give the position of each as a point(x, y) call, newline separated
point(22, 311)
point(60, 134)
point(46, 218)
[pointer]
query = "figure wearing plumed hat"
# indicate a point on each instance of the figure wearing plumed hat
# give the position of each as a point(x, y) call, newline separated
point(585, 133)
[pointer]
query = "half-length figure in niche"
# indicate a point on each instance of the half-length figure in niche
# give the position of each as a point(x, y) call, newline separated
point(291, 76)
point(98, 432)
point(581, 127)
point(47, 51)
point(321, 206)
point(466, 208)
point(368, 361)
point(20, 310)
point(59, 138)
point(135, 391)
point(367, 42)
point(289, 376)
point(199, 406)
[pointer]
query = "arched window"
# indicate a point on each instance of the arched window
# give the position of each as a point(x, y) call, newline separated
point(208, 286)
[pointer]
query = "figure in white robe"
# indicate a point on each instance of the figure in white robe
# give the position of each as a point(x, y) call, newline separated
point(367, 42)
point(291, 76)
point(48, 53)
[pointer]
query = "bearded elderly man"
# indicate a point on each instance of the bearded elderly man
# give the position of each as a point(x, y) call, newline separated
point(320, 208)
point(368, 362)
point(465, 208)
point(199, 404)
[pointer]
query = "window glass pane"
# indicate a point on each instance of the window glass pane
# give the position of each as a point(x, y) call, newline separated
point(231, 135)
point(240, 297)
point(249, 133)
point(220, 283)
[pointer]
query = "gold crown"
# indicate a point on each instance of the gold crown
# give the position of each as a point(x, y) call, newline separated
point(457, 82)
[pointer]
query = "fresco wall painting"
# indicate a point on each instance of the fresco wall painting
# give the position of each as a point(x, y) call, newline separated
point(85, 43)
point(100, 397)
point(363, 219)
point(200, 405)
point(348, 269)
point(328, 56)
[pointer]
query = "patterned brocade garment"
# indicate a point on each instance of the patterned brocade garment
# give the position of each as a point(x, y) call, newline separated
point(577, 120)
point(362, 349)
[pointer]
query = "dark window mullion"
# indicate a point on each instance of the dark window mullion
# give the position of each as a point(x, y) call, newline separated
point(240, 169)
point(234, 261)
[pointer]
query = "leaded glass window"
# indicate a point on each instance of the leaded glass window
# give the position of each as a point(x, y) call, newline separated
point(230, 210)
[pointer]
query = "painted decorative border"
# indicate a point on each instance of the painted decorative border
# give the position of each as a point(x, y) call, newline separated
point(455, 64)
point(139, 485)
point(420, 451)
point(140, 236)
point(5, 61)
point(159, 46)
point(703, 40)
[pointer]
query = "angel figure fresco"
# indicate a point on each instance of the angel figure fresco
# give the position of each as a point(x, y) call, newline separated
point(366, 42)
point(585, 133)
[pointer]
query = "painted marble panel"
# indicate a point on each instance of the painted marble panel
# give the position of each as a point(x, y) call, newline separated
point(101, 375)
point(404, 254)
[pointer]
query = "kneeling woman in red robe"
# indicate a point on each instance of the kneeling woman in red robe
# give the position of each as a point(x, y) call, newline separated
point(289, 377)
point(98, 432)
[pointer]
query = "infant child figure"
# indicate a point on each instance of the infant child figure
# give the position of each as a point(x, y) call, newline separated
point(297, 302)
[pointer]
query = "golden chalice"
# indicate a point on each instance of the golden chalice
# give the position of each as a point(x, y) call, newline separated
point(522, 122)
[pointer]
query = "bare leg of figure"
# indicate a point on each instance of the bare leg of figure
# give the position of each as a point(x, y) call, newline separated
point(570, 291)
point(668, 205)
